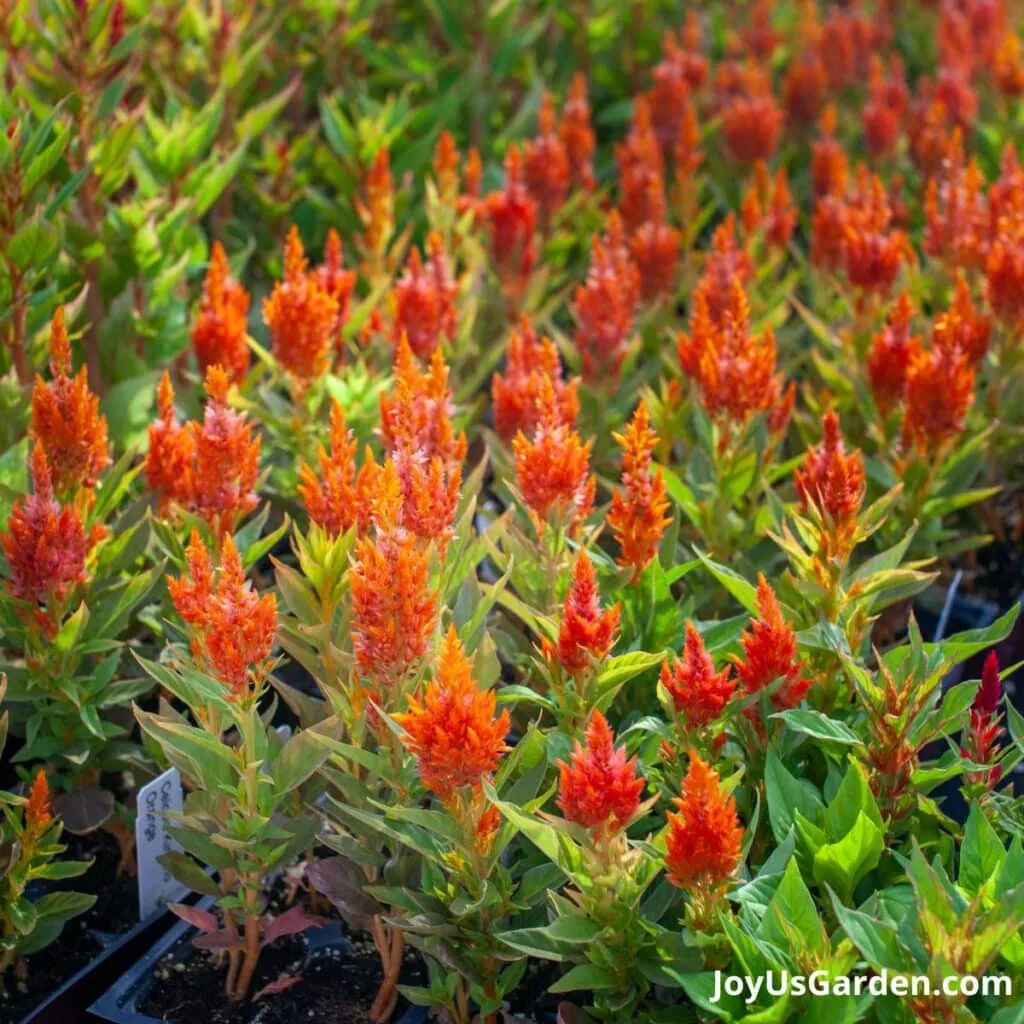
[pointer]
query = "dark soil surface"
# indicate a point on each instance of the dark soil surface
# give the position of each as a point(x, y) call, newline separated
point(48, 970)
point(532, 999)
point(117, 897)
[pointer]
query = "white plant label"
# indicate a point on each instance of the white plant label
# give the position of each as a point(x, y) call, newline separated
point(157, 886)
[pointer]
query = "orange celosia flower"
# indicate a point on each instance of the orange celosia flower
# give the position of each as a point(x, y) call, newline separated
point(46, 544)
point(605, 303)
point(515, 395)
point(939, 391)
point(338, 282)
point(333, 500)
point(833, 482)
point(511, 217)
point(637, 516)
point(962, 327)
point(553, 465)
point(726, 264)
point(734, 371)
point(641, 166)
point(586, 632)
point(957, 224)
point(227, 460)
point(546, 167)
point(446, 168)
point(670, 92)
point(1008, 66)
point(377, 212)
point(302, 316)
point(598, 787)
point(751, 119)
point(170, 460)
point(686, 151)
point(848, 40)
point(393, 607)
point(452, 731)
point(829, 164)
point(1004, 273)
point(768, 206)
point(38, 809)
point(424, 300)
point(758, 36)
point(698, 692)
point(576, 134)
point(232, 626)
point(66, 419)
point(219, 332)
point(655, 247)
point(704, 838)
point(888, 99)
point(891, 352)
point(769, 652)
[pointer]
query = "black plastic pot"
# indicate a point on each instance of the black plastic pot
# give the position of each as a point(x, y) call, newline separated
point(67, 1005)
point(119, 1004)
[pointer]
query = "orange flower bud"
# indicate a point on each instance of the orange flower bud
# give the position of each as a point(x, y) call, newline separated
point(586, 632)
point(170, 460)
point(704, 838)
point(452, 731)
point(637, 516)
point(66, 419)
point(38, 810)
point(219, 332)
point(598, 787)
point(832, 480)
point(698, 692)
point(333, 501)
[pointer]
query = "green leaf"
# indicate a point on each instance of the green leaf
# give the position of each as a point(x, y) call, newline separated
point(818, 725)
point(843, 864)
point(744, 591)
point(792, 910)
point(585, 977)
point(302, 755)
point(786, 795)
point(876, 940)
point(981, 853)
point(188, 872)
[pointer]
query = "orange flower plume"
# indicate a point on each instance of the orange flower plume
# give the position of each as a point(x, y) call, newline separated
point(704, 838)
point(655, 247)
point(888, 100)
point(516, 394)
point(227, 460)
point(577, 135)
point(45, 544)
point(832, 481)
point(751, 119)
point(734, 370)
point(553, 466)
point(377, 212)
point(891, 353)
point(334, 499)
point(38, 809)
point(424, 300)
point(598, 787)
point(394, 610)
point(219, 332)
point(338, 282)
point(170, 460)
point(1004, 272)
point(606, 302)
point(769, 652)
point(511, 216)
point(962, 328)
point(66, 419)
point(452, 731)
point(698, 692)
point(302, 316)
point(637, 516)
point(546, 166)
point(982, 736)
point(829, 164)
point(641, 167)
point(586, 632)
point(938, 394)
point(768, 207)
point(232, 627)
point(427, 454)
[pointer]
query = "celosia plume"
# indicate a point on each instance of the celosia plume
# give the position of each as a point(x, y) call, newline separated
point(302, 316)
point(553, 465)
point(516, 394)
point(587, 632)
point(66, 419)
point(769, 652)
point(38, 808)
point(891, 353)
point(452, 730)
point(46, 545)
point(938, 393)
point(232, 627)
point(333, 500)
point(751, 119)
point(338, 282)
point(424, 300)
point(641, 170)
point(704, 839)
point(377, 212)
point(832, 481)
point(546, 167)
point(962, 328)
point(511, 216)
point(697, 691)
point(170, 459)
point(219, 334)
point(605, 304)
point(598, 787)
point(637, 516)
point(981, 738)
point(576, 134)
